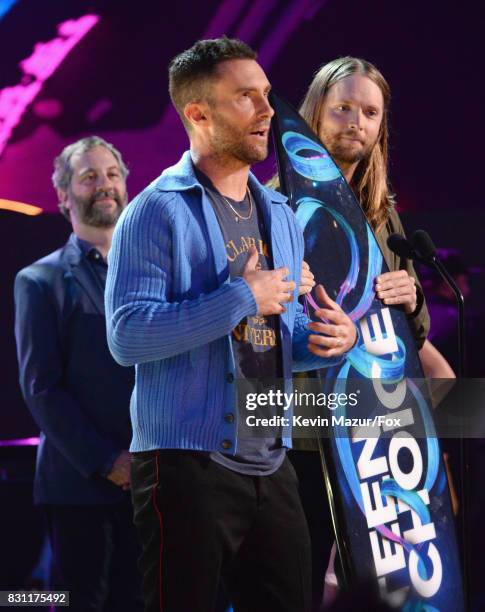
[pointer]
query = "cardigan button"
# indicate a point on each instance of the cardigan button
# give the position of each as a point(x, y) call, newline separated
point(226, 444)
point(230, 377)
point(229, 417)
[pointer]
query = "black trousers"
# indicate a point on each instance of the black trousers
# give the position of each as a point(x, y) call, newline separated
point(203, 526)
point(317, 511)
point(94, 556)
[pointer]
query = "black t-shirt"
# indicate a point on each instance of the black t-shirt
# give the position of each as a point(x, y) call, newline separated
point(256, 339)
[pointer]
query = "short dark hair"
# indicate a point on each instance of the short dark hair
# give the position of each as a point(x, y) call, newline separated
point(190, 71)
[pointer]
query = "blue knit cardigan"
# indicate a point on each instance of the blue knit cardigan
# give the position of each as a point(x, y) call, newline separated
point(171, 308)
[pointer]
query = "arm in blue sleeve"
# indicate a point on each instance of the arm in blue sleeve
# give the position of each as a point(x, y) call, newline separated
point(143, 324)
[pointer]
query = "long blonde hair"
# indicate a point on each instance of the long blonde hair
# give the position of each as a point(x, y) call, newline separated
point(369, 181)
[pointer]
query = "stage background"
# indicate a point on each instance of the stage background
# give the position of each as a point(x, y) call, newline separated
point(113, 82)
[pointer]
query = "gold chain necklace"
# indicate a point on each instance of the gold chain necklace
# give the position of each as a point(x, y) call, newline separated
point(238, 215)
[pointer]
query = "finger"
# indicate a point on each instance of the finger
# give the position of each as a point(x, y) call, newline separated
point(323, 352)
point(287, 286)
point(304, 289)
point(304, 265)
point(325, 328)
point(397, 300)
point(307, 281)
point(326, 341)
point(306, 285)
point(275, 308)
point(283, 298)
point(282, 272)
point(393, 293)
point(335, 316)
point(396, 292)
point(402, 282)
point(272, 309)
point(307, 275)
point(324, 299)
point(252, 260)
point(389, 276)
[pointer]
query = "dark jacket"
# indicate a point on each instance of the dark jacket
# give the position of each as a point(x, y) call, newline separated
point(78, 395)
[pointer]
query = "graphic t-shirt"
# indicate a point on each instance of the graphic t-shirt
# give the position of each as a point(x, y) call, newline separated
point(256, 339)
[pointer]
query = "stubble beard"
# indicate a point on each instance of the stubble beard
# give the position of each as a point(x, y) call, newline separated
point(343, 153)
point(229, 144)
point(89, 214)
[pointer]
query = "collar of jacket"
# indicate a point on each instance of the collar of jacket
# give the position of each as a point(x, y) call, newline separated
point(73, 251)
point(181, 177)
point(83, 273)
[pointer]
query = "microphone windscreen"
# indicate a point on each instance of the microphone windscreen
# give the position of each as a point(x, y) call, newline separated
point(400, 246)
point(422, 242)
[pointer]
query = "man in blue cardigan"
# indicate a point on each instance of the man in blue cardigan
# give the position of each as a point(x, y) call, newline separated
point(201, 295)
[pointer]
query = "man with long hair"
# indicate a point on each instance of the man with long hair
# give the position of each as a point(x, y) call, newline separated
point(347, 106)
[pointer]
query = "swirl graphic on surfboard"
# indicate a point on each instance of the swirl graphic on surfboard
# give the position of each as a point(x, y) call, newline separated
point(388, 491)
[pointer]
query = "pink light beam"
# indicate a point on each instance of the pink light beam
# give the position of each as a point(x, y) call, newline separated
point(36, 69)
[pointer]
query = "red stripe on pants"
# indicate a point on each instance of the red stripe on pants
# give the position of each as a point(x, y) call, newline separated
point(160, 520)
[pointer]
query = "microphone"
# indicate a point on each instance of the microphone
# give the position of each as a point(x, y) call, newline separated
point(400, 246)
point(423, 244)
point(421, 248)
point(403, 248)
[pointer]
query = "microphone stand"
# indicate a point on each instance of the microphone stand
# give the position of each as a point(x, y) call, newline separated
point(464, 453)
point(446, 276)
point(403, 248)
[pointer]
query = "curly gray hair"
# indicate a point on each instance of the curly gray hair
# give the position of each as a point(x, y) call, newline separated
point(62, 175)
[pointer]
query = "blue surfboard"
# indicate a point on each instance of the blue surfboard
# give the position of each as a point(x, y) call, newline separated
point(387, 484)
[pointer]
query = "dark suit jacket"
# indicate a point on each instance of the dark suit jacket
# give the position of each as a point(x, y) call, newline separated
point(78, 395)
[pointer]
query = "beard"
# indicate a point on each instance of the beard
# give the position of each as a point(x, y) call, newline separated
point(95, 216)
point(344, 151)
point(230, 141)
